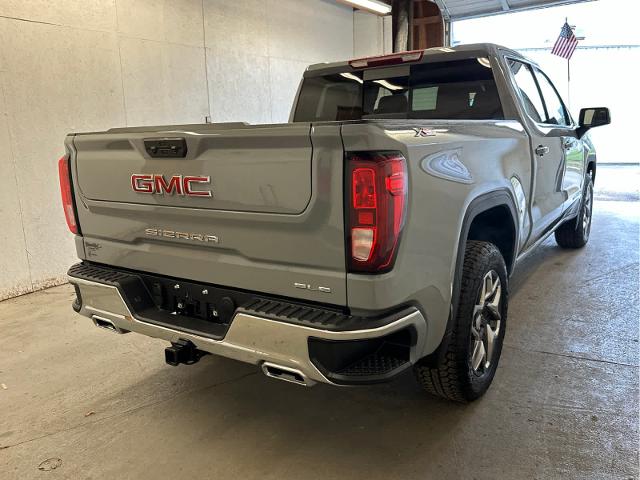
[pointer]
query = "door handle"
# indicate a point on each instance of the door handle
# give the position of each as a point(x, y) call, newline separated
point(541, 150)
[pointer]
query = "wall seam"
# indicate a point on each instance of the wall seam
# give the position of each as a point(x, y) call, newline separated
point(155, 40)
point(353, 29)
point(31, 21)
point(270, 90)
point(269, 57)
point(124, 96)
point(292, 59)
point(206, 65)
point(380, 36)
point(580, 47)
point(53, 24)
point(99, 30)
point(15, 179)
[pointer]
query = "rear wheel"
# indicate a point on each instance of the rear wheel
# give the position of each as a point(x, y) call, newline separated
point(464, 365)
point(574, 233)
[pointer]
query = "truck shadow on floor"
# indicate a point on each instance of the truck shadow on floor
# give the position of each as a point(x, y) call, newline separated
point(544, 255)
point(266, 416)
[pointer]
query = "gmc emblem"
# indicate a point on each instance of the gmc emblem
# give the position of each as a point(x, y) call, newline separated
point(179, 185)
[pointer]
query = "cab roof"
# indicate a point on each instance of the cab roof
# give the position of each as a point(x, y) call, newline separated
point(430, 54)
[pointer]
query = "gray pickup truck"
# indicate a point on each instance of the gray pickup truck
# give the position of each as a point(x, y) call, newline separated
point(373, 233)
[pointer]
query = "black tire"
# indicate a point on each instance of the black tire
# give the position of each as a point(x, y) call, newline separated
point(448, 372)
point(574, 233)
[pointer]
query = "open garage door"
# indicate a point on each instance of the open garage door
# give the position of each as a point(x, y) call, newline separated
point(462, 9)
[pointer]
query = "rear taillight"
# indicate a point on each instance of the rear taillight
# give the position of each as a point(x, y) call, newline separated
point(377, 199)
point(67, 195)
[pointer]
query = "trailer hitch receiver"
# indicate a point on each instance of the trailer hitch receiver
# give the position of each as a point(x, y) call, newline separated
point(183, 351)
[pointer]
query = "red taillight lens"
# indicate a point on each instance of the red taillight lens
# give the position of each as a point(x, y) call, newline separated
point(377, 204)
point(67, 196)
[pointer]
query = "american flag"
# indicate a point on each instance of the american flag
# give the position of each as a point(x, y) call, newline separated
point(566, 43)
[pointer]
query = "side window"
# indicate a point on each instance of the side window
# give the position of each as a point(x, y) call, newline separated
point(555, 107)
point(528, 90)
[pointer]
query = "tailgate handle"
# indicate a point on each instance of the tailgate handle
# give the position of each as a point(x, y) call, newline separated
point(166, 147)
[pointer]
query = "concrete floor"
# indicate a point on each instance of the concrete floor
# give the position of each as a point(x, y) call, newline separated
point(564, 403)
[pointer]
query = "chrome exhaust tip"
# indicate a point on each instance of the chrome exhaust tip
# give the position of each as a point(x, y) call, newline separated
point(107, 324)
point(286, 374)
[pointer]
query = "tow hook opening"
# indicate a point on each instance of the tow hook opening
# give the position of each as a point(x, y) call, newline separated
point(182, 351)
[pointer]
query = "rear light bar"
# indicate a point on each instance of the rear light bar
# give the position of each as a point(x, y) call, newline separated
point(376, 198)
point(67, 194)
point(393, 59)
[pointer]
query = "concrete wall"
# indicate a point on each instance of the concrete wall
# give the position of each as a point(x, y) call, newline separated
point(77, 65)
point(371, 34)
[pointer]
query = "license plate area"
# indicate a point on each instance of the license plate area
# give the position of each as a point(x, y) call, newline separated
point(180, 298)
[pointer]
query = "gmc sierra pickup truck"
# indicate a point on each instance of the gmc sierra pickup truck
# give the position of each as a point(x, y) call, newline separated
point(373, 233)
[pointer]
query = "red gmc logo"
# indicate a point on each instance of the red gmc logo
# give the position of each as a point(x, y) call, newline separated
point(178, 185)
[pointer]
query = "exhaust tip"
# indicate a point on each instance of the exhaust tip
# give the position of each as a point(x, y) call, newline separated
point(286, 374)
point(107, 324)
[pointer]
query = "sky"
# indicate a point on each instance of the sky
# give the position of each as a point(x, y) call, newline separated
point(601, 22)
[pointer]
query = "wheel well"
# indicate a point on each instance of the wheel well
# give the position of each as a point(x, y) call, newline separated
point(496, 226)
point(591, 169)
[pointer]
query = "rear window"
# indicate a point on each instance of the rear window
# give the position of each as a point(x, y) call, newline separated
point(453, 90)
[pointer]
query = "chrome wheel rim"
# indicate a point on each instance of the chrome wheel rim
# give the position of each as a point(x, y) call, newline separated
point(586, 214)
point(485, 326)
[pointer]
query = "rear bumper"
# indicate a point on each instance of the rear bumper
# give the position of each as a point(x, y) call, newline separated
point(329, 355)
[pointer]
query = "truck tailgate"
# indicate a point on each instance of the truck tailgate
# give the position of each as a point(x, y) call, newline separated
point(251, 169)
point(272, 223)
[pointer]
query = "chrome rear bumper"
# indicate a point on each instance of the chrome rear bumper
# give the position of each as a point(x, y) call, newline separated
point(250, 338)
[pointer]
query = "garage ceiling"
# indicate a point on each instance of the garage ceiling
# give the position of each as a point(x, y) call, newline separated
point(461, 9)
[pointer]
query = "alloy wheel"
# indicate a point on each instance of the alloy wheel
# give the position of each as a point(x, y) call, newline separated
point(485, 326)
point(587, 210)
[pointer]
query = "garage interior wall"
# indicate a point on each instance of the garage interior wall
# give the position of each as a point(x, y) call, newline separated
point(372, 35)
point(87, 65)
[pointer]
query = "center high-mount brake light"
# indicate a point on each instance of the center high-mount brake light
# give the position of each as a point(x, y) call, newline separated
point(393, 59)
point(377, 197)
point(67, 194)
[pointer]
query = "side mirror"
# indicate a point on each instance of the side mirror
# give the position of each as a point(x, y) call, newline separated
point(592, 117)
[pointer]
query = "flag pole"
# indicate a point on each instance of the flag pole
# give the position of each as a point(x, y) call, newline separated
point(566, 19)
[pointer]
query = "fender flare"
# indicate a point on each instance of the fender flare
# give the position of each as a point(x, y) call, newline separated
point(480, 204)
